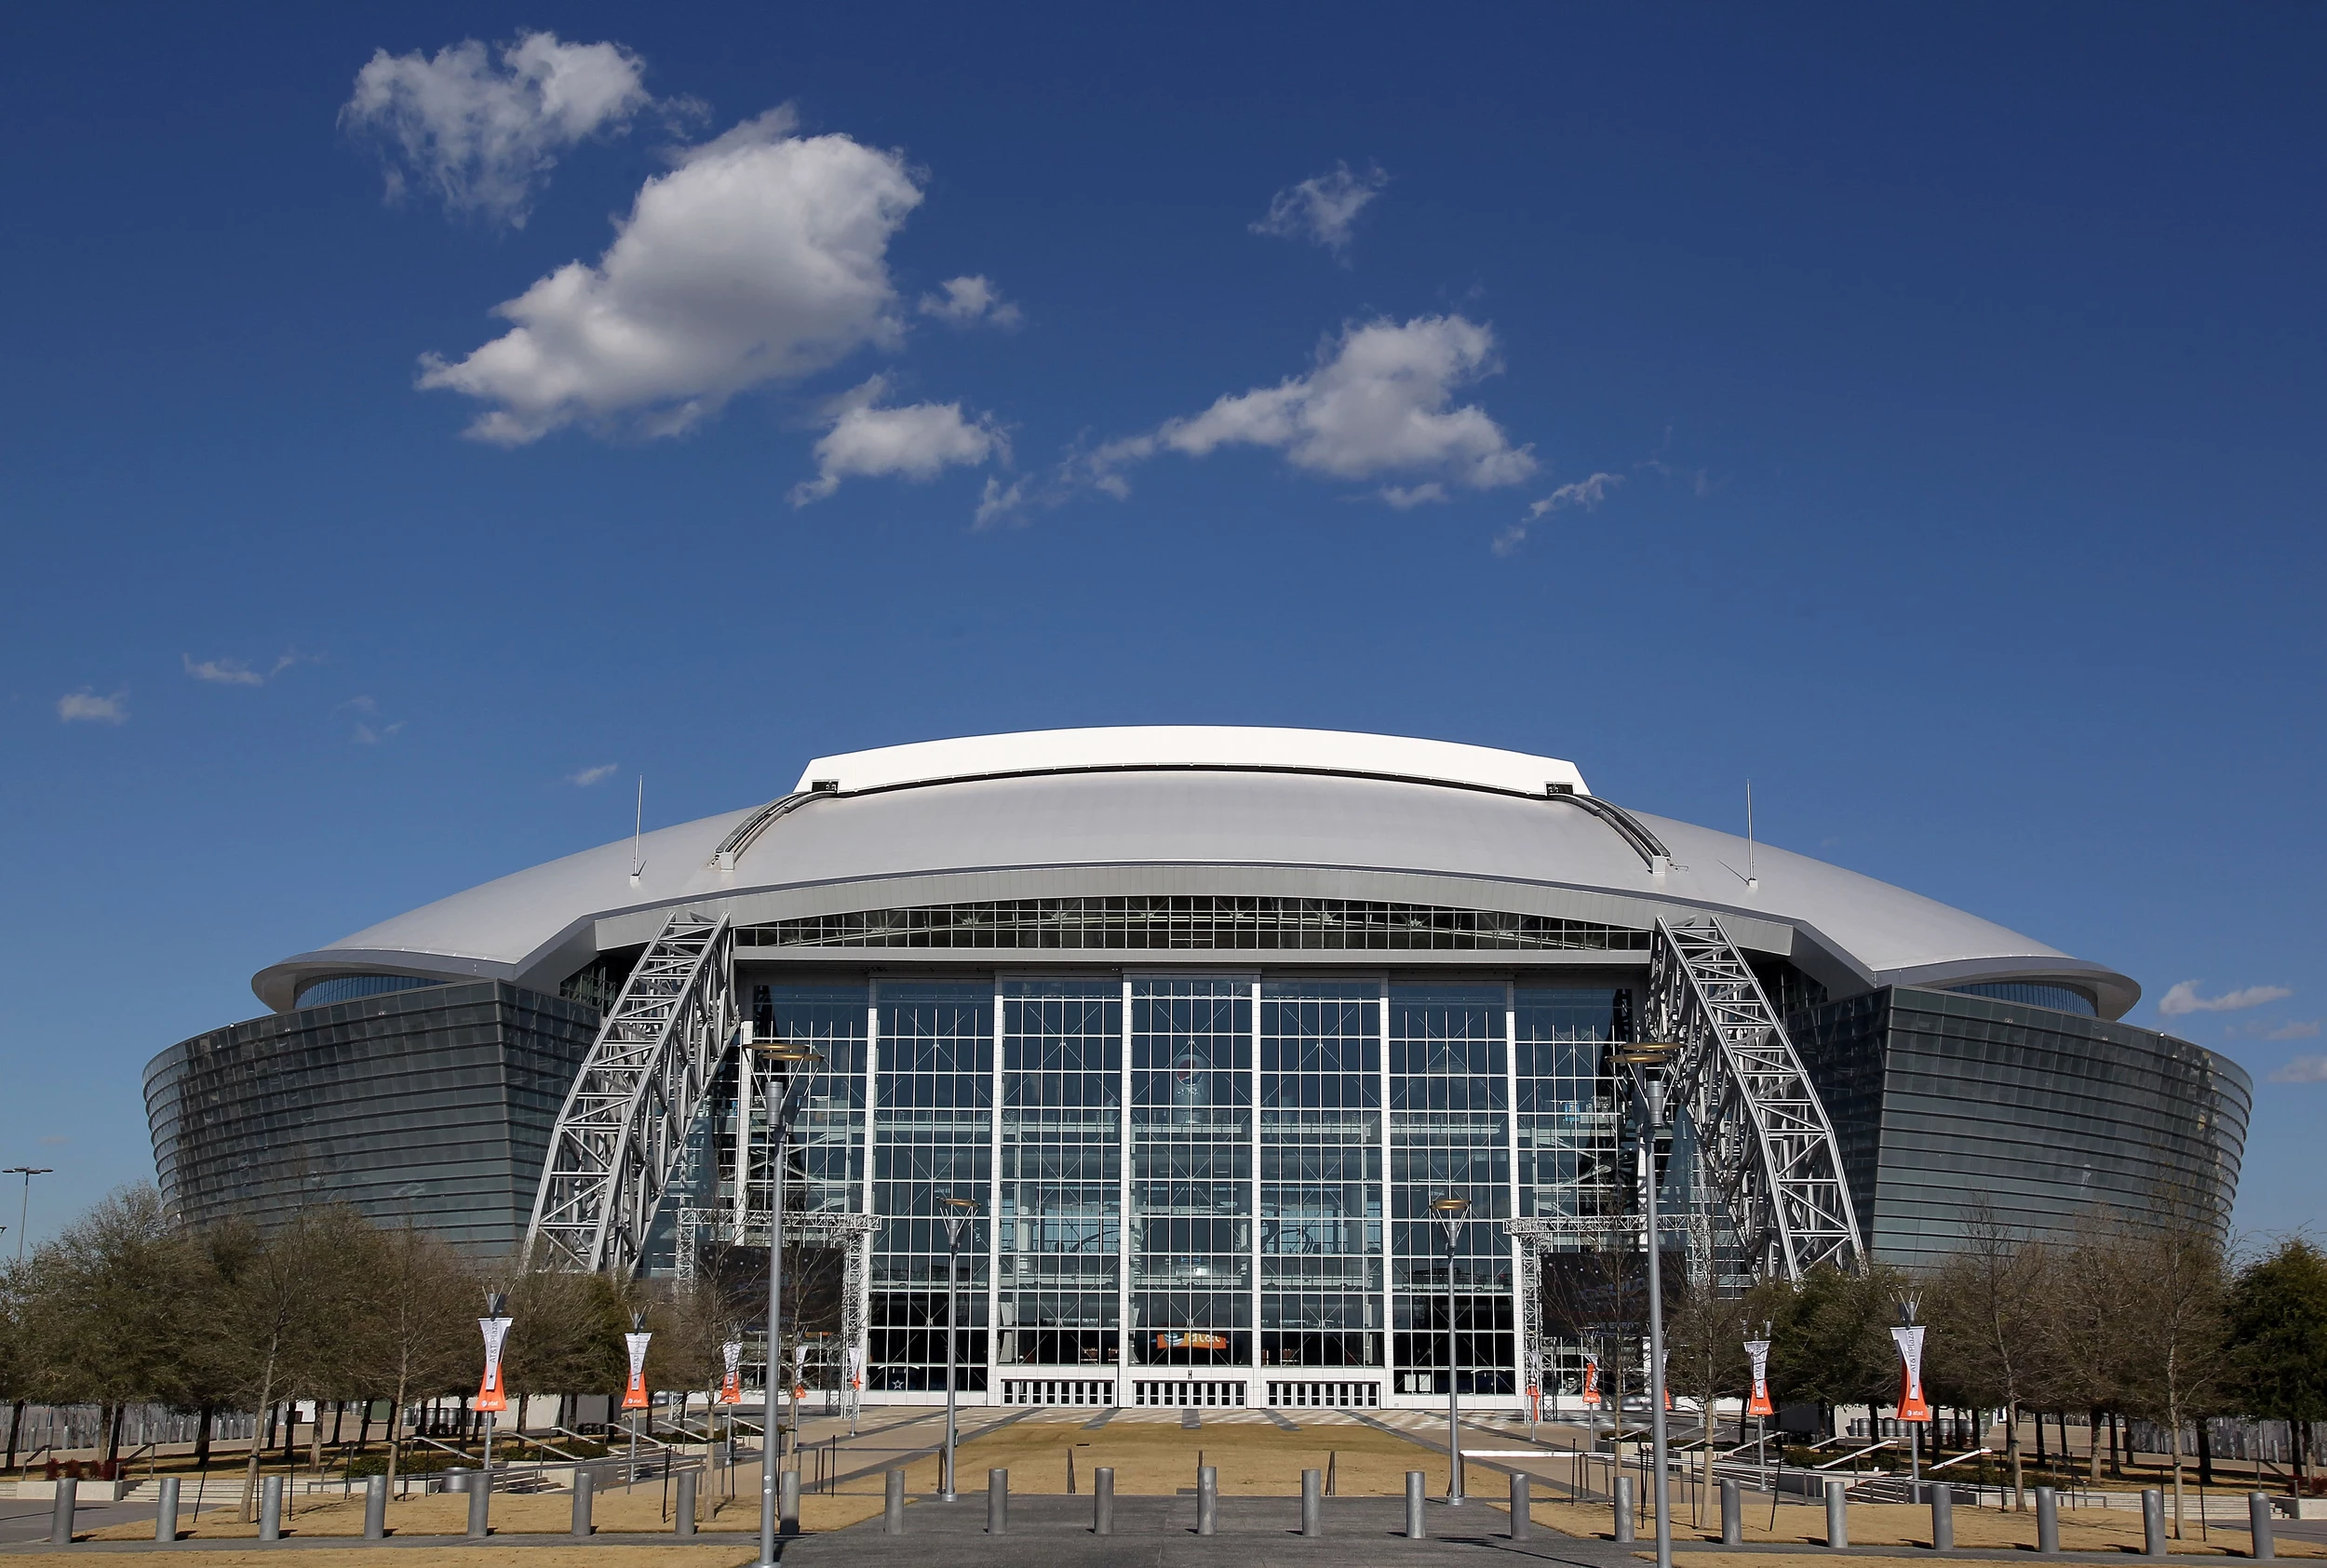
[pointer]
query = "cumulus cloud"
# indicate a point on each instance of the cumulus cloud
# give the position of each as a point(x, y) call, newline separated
point(1380, 401)
point(2183, 999)
point(1586, 493)
point(916, 442)
point(234, 672)
point(760, 258)
point(86, 707)
point(2301, 1069)
point(968, 300)
point(584, 777)
point(999, 500)
point(1322, 210)
point(482, 134)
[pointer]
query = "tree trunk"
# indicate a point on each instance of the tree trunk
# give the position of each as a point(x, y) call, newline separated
point(15, 1426)
point(2205, 1455)
point(112, 1440)
point(2039, 1438)
point(2117, 1461)
point(396, 1424)
point(363, 1427)
point(2093, 1447)
point(202, 1440)
point(291, 1434)
point(2174, 1419)
point(2011, 1452)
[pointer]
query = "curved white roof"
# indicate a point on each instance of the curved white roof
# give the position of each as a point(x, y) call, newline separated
point(1292, 812)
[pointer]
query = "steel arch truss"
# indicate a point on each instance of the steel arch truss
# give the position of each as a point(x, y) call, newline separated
point(624, 1129)
point(1763, 1135)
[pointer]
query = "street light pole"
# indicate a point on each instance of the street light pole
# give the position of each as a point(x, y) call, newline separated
point(959, 1212)
point(1449, 1212)
point(1645, 1061)
point(24, 1210)
point(781, 1056)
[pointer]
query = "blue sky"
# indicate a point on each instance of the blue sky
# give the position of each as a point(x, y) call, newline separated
point(1916, 413)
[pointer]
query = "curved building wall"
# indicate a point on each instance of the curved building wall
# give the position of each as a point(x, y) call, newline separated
point(429, 1106)
point(1941, 1100)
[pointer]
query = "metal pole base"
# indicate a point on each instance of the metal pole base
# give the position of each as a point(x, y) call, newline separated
point(1103, 1500)
point(1312, 1502)
point(1414, 1482)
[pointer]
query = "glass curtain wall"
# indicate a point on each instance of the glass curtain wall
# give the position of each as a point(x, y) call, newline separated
point(1321, 1175)
point(1191, 1172)
point(1450, 1137)
point(1060, 1210)
point(934, 1138)
point(1569, 1143)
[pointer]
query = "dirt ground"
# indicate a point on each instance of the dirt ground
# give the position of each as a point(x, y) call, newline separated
point(1904, 1524)
point(546, 1513)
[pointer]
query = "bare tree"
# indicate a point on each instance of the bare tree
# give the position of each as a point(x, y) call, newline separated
point(275, 1315)
point(2085, 1325)
point(2175, 1286)
point(1704, 1345)
point(417, 1332)
point(1986, 1307)
point(567, 1334)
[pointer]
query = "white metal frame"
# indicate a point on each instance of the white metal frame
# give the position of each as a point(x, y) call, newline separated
point(623, 1131)
point(1762, 1134)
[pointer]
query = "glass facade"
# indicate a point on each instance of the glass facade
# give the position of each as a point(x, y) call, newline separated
point(1938, 1097)
point(431, 1106)
point(2060, 998)
point(350, 987)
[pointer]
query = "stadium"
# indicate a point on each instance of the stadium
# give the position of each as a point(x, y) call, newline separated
point(1204, 1021)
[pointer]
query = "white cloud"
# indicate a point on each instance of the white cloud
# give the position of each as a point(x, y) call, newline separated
point(86, 707)
point(2183, 999)
point(1587, 493)
point(915, 442)
point(585, 777)
point(234, 672)
point(967, 301)
point(1322, 210)
point(1405, 499)
point(1381, 401)
point(2294, 1028)
point(367, 732)
point(760, 258)
point(999, 500)
point(2301, 1069)
point(483, 138)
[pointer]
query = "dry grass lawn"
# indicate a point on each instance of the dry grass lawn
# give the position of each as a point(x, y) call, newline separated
point(445, 1557)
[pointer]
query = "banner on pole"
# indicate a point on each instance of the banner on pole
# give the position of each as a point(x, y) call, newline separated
point(490, 1394)
point(732, 1383)
point(635, 1397)
point(1592, 1383)
point(1664, 1382)
point(1911, 1403)
point(857, 1368)
point(1760, 1404)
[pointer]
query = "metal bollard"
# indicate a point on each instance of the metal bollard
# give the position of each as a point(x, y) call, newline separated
point(1415, 1480)
point(684, 1512)
point(165, 1516)
point(2152, 1522)
point(892, 1504)
point(1103, 1500)
point(480, 1502)
point(60, 1512)
point(1208, 1500)
point(1943, 1518)
point(997, 1502)
point(1522, 1508)
point(271, 1508)
point(1621, 1487)
point(2258, 1520)
point(584, 1482)
point(1732, 1515)
point(2048, 1519)
point(1312, 1502)
point(787, 1503)
point(1837, 1516)
point(375, 1507)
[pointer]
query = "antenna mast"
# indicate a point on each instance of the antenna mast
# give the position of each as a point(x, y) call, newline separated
point(1751, 879)
point(637, 832)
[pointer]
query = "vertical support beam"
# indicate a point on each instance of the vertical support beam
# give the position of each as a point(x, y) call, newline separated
point(1256, 1392)
point(1126, 1232)
point(993, 1214)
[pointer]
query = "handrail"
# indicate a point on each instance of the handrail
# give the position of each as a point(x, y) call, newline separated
point(1957, 1460)
point(1857, 1453)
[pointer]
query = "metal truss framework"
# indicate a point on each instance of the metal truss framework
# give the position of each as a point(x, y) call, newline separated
point(621, 1137)
point(1763, 1139)
point(819, 1227)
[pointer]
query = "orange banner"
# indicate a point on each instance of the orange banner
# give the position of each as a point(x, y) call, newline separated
point(490, 1394)
point(1912, 1406)
point(1591, 1383)
point(732, 1383)
point(635, 1397)
point(1760, 1404)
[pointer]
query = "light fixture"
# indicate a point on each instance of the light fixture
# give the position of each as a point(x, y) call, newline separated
point(1648, 1054)
point(785, 1053)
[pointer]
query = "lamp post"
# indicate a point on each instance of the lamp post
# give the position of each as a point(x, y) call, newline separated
point(781, 1056)
point(958, 1214)
point(1647, 1061)
point(1449, 1212)
point(24, 1210)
